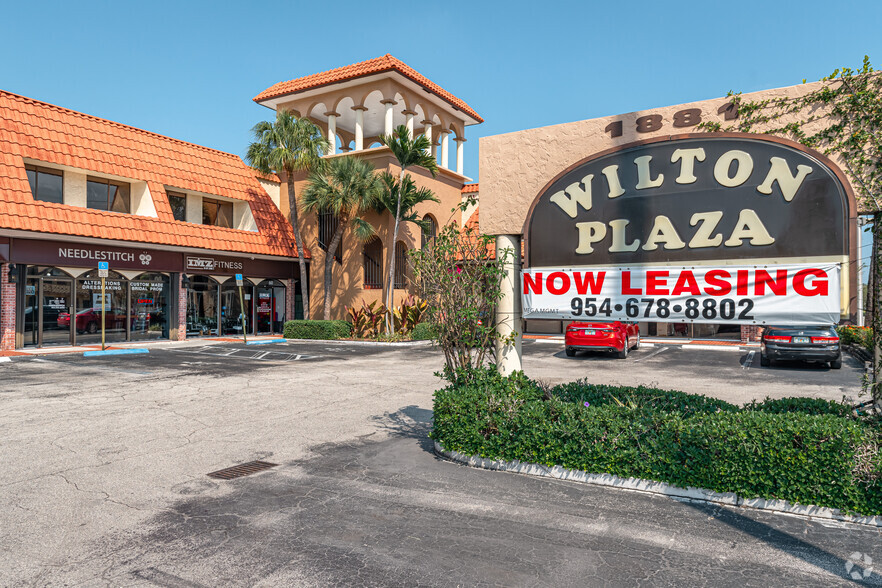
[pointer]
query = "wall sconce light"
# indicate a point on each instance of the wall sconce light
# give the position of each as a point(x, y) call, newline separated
point(185, 281)
point(13, 273)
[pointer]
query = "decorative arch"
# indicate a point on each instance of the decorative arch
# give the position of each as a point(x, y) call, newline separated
point(400, 265)
point(372, 264)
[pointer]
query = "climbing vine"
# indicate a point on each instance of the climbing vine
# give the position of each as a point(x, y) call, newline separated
point(842, 119)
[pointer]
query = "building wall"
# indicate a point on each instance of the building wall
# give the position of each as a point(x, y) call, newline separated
point(348, 280)
point(7, 310)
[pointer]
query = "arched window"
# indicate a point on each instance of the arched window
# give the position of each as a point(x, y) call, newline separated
point(400, 265)
point(327, 225)
point(430, 231)
point(372, 255)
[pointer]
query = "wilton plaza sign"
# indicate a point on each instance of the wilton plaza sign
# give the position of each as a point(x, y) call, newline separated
point(703, 228)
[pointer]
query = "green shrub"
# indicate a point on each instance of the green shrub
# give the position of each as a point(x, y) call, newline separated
point(317, 329)
point(640, 396)
point(801, 405)
point(860, 336)
point(423, 332)
point(790, 450)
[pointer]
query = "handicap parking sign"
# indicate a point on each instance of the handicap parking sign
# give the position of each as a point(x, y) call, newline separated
point(103, 266)
point(239, 281)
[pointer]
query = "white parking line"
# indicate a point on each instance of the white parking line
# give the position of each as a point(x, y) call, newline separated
point(653, 354)
point(748, 361)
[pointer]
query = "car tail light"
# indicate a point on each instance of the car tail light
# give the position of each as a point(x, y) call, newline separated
point(777, 338)
point(825, 339)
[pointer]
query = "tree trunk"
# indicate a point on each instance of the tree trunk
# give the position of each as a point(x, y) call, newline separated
point(390, 299)
point(298, 241)
point(876, 303)
point(329, 264)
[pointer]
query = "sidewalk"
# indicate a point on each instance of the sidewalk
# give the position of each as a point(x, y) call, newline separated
point(133, 344)
point(686, 343)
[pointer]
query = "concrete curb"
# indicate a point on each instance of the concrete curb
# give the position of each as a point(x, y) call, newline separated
point(661, 488)
point(376, 343)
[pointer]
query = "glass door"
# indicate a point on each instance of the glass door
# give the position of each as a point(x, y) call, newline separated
point(32, 312)
point(231, 308)
point(56, 303)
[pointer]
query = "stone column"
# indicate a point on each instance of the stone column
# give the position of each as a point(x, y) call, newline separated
point(182, 308)
point(390, 116)
point(409, 120)
point(359, 127)
point(332, 132)
point(508, 311)
point(427, 131)
point(459, 155)
point(445, 143)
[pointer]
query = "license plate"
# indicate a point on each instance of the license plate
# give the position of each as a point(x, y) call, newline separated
point(588, 331)
point(800, 339)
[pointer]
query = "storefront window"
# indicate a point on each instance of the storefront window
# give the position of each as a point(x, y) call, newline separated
point(202, 306)
point(87, 321)
point(149, 303)
point(231, 308)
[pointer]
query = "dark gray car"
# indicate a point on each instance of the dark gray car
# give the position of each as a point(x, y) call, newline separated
point(801, 343)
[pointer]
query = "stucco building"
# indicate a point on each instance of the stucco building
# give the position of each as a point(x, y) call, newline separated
point(353, 106)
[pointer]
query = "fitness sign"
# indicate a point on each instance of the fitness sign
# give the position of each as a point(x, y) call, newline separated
point(711, 228)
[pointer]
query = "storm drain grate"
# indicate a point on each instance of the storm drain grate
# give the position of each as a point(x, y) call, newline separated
point(243, 469)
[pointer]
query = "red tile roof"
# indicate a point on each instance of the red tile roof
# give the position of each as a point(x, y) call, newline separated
point(472, 228)
point(57, 136)
point(470, 189)
point(364, 68)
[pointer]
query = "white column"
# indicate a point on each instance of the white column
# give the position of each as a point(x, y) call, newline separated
point(332, 133)
point(508, 310)
point(427, 130)
point(390, 117)
point(359, 127)
point(444, 148)
point(409, 122)
point(459, 155)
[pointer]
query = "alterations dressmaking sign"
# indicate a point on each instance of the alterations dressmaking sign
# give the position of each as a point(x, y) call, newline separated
point(705, 228)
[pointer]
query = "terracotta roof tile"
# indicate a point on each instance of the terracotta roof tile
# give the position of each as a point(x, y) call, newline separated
point(364, 68)
point(470, 188)
point(54, 135)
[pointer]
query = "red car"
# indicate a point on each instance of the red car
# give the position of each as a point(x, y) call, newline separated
point(89, 320)
point(619, 337)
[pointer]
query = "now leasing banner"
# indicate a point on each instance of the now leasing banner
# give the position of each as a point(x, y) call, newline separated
point(799, 294)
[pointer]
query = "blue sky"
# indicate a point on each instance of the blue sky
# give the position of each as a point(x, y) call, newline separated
point(190, 69)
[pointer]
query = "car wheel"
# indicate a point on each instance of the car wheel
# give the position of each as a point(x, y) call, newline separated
point(637, 344)
point(623, 354)
point(92, 328)
point(836, 364)
point(571, 352)
point(764, 361)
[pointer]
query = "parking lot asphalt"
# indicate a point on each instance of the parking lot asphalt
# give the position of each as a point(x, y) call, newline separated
point(105, 463)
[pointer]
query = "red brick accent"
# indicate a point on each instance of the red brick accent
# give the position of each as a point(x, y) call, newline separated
point(182, 309)
point(7, 312)
point(290, 293)
point(751, 333)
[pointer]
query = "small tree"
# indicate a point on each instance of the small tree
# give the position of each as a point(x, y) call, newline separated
point(460, 277)
point(409, 153)
point(346, 187)
point(285, 147)
point(842, 119)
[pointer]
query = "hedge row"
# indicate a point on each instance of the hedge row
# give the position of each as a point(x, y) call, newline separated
point(317, 329)
point(423, 332)
point(800, 450)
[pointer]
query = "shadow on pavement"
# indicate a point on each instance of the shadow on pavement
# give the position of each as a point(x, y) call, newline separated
point(792, 546)
point(409, 422)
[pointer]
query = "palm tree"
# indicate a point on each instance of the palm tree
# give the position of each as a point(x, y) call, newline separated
point(409, 153)
point(411, 196)
point(345, 188)
point(288, 146)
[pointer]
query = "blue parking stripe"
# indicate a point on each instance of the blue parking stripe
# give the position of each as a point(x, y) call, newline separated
point(99, 353)
point(266, 342)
